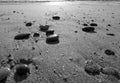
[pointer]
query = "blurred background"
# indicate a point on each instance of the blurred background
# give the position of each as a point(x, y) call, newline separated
point(50, 0)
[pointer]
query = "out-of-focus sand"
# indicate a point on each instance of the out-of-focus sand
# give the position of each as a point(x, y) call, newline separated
point(54, 60)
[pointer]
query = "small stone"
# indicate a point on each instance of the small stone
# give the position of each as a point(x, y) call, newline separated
point(109, 52)
point(52, 39)
point(22, 69)
point(93, 24)
point(36, 35)
point(109, 25)
point(110, 34)
point(56, 18)
point(14, 11)
point(22, 36)
point(76, 31)
point(28, 24)
point(49, 32)
point(4, 73)
point(89, 29)
point(25, 61)
point(85, 24)
point(44, 28)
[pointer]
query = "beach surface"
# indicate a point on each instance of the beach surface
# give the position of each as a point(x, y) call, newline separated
point(88, 32)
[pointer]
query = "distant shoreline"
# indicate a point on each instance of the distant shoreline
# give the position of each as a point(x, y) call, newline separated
point(51, 1)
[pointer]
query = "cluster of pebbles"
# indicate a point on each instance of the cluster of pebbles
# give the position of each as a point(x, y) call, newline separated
point(11, 66)
point(21, 68)
point(92, 68)
point(90, 28)
point(52, 38)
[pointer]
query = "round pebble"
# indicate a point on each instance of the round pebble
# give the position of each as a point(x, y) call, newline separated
point(49, 32)
point(44, 28)
point(22, 69)
point(52, 38)
point(56, 18)
point(89, 29)
point(4, 73)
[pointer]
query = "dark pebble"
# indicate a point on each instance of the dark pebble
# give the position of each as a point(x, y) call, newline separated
point(93, 24)
point(85, 24)
point(14, 11)
point(28, 24)
point(109, 25)
point(92, 69)
point(44, 28)
point(65, 79)
point(22, 70)
point(50, 32)
point(76, 31)
point(52, 39)
point(36, 35)
point(110, 34)
point(22, 36)
point(56, 18)
point(109, 52)
point(4, 73)
point(92, 20)
point(25, 61)
point(89, 29)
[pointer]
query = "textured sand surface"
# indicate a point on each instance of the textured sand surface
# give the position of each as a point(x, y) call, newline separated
point(64, 61)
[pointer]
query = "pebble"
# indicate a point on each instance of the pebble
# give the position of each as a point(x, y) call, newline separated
point(22, 36)
point(93, 24)
point(28, 24)
point(22, 69)
point(4, 73)
point(110, 34)
point(56, 18)
point(50, 32)
point(44, 28)
point(89, 29)
point(52, 39)
point(36, 35)
point(109, 52)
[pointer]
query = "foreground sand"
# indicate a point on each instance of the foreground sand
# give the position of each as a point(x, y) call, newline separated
point(62, 62)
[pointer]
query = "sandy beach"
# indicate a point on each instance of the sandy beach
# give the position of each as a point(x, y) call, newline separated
point(86, 44)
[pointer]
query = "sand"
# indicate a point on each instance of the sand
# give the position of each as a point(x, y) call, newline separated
point(87, 30)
